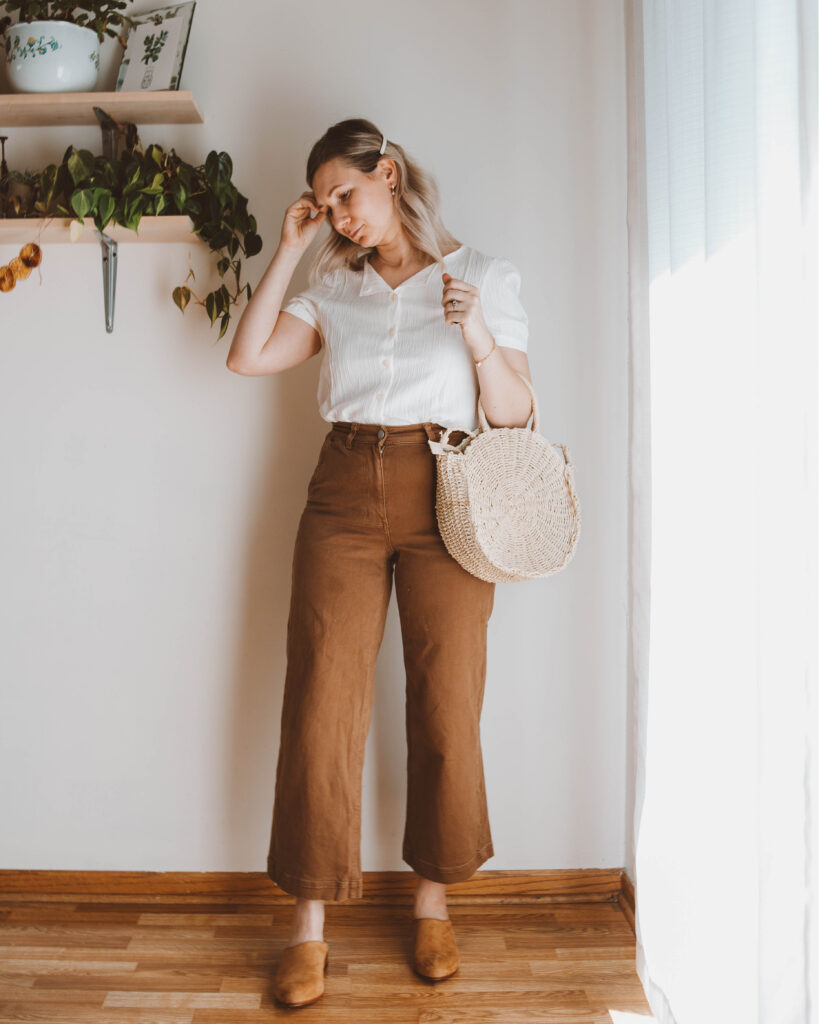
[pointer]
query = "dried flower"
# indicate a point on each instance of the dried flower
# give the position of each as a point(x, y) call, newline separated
point(21, 266)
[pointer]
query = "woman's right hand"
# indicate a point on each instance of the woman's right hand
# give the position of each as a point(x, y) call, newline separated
point(299, 228)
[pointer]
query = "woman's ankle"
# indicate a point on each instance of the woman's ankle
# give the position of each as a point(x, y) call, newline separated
point(430, 899)
point(308, 921)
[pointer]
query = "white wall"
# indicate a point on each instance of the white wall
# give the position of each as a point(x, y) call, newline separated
point(151, 497)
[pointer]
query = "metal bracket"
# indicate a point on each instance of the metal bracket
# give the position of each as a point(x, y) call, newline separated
point(109, 277)
point(115, 137)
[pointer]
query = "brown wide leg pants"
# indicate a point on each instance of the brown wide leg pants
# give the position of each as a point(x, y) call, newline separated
point(370, 512)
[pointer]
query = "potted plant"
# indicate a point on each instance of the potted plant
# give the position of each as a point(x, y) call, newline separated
point(149, 182)
point(55, 44)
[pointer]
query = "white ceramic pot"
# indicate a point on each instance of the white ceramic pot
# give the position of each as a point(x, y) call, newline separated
point(52, 56)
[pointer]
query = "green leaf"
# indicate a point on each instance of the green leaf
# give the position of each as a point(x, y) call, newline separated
point(253, 243)
point(218, 168)
point(106, 208)
point(81, 202)
point(180, 195)
point(220, 238)
point(182, 296)
point(80, 165)
point(225, 322)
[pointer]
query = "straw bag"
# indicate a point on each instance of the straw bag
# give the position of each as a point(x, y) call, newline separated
point(505, 500)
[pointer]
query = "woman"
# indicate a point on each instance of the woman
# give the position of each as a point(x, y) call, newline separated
point(406, 353)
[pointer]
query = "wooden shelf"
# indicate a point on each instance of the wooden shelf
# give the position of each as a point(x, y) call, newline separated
point(160, 106)
point(173, 228)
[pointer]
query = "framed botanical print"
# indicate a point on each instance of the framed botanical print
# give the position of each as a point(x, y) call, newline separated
point(155, 48)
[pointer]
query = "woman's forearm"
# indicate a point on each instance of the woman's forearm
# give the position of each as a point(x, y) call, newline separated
point(262, 311)
point(506, 400)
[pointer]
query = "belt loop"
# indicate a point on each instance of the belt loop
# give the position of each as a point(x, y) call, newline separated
point(351, 434)
point(433, 431)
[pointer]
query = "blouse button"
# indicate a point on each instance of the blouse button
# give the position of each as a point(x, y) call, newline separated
point(394, 296)
point(392, 330)
point(385, 362)
point(379, 397)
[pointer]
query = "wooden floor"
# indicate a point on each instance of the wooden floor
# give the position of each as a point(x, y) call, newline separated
point(166, 962)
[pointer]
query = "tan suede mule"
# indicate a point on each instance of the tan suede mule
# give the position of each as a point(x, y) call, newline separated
point(300, 976)
point(436, 953)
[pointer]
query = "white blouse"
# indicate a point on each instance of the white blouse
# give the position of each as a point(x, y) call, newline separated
point(389, 355)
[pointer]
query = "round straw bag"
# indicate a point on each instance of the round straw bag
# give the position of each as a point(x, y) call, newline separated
point(505, 500)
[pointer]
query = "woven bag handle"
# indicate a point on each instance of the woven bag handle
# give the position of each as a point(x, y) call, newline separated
point(484, 422)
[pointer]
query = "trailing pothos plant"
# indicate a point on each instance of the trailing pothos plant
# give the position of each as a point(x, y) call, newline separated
point(149, 182)
point(99, 15)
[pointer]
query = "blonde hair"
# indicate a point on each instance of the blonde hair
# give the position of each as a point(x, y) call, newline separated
point(357, 142)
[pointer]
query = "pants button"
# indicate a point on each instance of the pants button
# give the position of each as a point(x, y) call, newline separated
point(381, 433)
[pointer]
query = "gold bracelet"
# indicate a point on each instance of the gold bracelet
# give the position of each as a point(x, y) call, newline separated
point(488, 354)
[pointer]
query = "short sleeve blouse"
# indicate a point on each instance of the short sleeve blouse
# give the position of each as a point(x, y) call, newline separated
point(389, 357)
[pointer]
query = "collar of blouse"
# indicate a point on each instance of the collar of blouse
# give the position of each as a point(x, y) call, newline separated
point(372, 281)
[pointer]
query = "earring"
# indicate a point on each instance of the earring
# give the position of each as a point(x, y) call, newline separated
point(393, 190)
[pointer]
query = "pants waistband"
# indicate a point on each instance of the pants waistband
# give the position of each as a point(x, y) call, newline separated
point(383, 434)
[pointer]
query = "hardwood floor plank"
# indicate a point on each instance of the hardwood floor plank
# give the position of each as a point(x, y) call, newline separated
point(58, 966)
point(73, 1013)
point(185, 1000)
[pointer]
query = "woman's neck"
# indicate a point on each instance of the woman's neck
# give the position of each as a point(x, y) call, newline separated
point(392, 260)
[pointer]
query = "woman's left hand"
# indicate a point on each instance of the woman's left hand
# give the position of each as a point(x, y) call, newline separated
point(468, 314)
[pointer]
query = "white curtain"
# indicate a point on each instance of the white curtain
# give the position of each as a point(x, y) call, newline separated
point(723, 463)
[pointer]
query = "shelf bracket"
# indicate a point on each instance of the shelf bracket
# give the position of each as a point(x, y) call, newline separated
point(109, 277)
point(115, 137)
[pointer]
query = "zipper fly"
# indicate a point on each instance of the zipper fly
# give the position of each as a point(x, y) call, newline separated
point(380, 446)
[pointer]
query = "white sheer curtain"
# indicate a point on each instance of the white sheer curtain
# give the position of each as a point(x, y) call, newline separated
point(722, 254)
